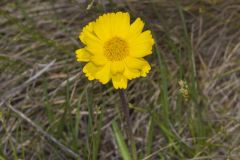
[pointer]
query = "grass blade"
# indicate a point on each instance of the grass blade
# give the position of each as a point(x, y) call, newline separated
point(122, 147)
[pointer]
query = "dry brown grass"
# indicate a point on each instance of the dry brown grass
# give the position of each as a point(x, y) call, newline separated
point(39, 72)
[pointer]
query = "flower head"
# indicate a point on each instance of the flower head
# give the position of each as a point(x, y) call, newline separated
point(114, 49)
point(184, 91)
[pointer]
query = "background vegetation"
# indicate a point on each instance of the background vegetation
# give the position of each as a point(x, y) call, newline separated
point(49, 110)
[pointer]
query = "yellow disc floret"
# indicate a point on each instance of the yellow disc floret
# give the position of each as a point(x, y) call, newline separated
point(116, 49)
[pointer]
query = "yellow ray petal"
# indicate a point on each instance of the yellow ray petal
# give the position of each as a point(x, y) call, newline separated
point(92, 42)
point(135, 29)
point(119, 81)
point(99, 60)
point(142, 45)
point(139, 64)
point(103, 75)
point(130, 73)
point(87, 29)
point(120, 23)
point(117, 67)
point(90, 70)
point(102, 27)
point(145, 70)
point(82, 55)
point(95, 48)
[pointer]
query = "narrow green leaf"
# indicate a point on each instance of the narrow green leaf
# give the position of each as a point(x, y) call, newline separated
point(122, 147)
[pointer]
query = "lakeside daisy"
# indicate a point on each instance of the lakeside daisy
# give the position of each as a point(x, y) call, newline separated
point(114, 49)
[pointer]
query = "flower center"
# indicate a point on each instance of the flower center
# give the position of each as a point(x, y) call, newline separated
point(116, 49)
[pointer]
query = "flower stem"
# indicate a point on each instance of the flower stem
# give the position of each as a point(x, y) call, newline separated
point(128, 126)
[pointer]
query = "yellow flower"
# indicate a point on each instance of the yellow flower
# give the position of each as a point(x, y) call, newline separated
point(114, 49)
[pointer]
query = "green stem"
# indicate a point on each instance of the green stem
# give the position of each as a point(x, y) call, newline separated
point(128, 126)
